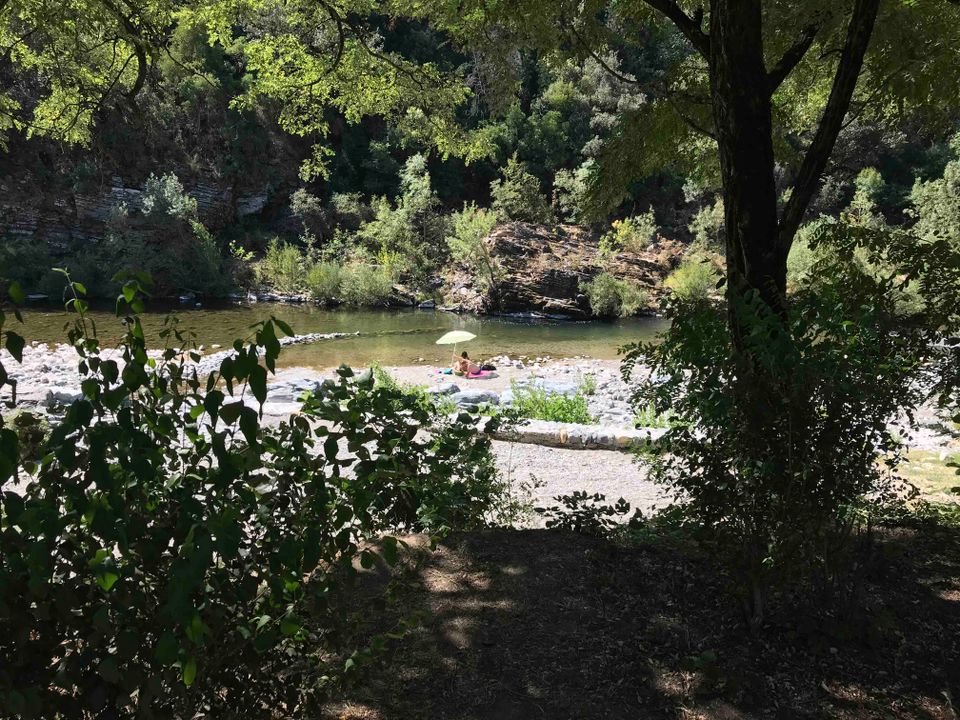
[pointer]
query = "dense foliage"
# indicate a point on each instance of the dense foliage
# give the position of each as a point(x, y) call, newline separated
point(779, 476)
point(165, 553)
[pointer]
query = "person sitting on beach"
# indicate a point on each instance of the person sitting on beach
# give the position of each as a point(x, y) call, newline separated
point(463, 365)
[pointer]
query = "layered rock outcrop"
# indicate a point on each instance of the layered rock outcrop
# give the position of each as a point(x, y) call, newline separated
point(543, 269)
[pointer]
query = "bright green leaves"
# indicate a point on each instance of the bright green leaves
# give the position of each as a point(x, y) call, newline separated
point(80, 54)
point(104, 568)
point(189, 672)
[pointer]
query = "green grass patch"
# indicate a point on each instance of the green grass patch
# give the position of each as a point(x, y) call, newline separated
point(535, 403)
point(933, 474)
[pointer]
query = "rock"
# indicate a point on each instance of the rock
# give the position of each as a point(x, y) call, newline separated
point(552, 387)
point(544, 268)
point(472, 398)
point(61, 397)
point(445, 388)
point(427, 305)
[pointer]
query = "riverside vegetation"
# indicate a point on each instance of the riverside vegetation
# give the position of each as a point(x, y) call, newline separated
point(171, 556)
point(136, 573)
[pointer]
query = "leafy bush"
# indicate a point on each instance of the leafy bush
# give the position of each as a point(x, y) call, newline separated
point(309, 208)
point(571, 192)
point(936, 202)
point(283, 267)
point(633, 234)
point(537, 403)
point(648, 417)
point(365, 285)
point(517, 195)
point(412, 232)
point(695, 279)
point(324, 280)
point(164, 197)
point(170, 556)
point(776, 444)
point(469, 228)
point(708, 227)
point(436, 403)
point(612, 297)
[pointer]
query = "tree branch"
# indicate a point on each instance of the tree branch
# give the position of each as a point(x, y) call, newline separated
point(599, 59)
point(687, 25)
point(859, 32)
point(791, 57)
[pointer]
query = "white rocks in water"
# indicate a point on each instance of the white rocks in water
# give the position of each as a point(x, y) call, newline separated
point(472, 398)
point(446, 388)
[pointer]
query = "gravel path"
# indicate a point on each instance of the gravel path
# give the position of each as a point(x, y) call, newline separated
point(541, 473)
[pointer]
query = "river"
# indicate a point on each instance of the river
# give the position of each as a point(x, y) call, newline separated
point(389, 337)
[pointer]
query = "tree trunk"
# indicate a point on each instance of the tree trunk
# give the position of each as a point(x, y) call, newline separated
point(744, 127)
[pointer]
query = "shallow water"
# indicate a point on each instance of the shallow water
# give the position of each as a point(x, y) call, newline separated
point(389, 337)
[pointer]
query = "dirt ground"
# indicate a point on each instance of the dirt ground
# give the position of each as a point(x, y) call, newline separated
point(547, 624)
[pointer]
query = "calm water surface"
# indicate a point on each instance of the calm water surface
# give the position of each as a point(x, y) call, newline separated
point(390, 337)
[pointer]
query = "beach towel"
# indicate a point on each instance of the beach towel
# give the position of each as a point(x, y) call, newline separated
point(482, 374)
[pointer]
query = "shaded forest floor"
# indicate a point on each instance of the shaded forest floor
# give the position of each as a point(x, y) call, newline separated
point(549, 624)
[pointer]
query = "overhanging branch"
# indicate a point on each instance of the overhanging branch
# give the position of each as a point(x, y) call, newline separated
point(690, 28)
point(859, 31)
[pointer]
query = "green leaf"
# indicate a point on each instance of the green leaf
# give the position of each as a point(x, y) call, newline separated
point(15, 345)
point(189, 671)
point(167, 650)
point(258, 383)
point(107, 579)
point(287, 330)
point(16, 292)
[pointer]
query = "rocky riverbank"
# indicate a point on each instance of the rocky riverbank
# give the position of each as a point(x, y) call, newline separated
point(48, 379)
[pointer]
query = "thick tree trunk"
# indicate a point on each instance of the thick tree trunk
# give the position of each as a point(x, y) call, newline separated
point(744, 127)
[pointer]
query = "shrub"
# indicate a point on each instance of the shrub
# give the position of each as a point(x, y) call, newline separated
point(708, 227)
point(694, 280)
point(936, 202)
point(469, 229)
point(309, 208)
point(164, 197)
point(282, 267)
point(517, 195)
point(633, 234)
point(537, 403)
point(412, 232)
point(365, 285)
point(324, 280)
point(776, 443)
point(613, 297)
point(571, 193)
point(173, 557)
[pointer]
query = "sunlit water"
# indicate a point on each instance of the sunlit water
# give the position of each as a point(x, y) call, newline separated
point(389, 337)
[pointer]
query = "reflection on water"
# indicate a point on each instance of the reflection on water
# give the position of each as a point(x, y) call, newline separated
point(390, 337)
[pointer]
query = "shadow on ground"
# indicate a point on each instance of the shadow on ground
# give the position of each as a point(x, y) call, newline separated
point(544, 624)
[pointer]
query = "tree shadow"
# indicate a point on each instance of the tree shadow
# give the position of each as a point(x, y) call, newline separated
point(537, 623)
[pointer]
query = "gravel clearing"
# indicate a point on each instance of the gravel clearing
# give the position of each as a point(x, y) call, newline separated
point(541, 473)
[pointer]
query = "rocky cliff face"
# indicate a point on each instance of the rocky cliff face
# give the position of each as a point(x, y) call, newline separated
point(83, 216)
point(544, 266)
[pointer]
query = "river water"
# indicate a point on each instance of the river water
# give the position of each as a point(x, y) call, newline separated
point(389, 337)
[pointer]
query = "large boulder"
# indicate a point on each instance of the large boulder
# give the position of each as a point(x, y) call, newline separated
point(473, 398)
point(444, 388)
